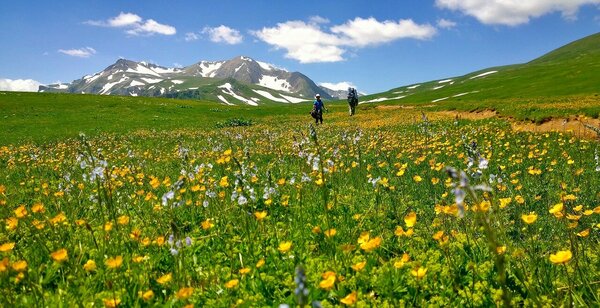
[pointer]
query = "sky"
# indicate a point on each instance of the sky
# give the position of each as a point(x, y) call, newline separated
point(372, 45)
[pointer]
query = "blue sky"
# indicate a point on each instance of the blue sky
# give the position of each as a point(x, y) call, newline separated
point(374, 45)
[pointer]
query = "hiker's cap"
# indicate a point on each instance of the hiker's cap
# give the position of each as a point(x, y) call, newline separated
point(318, 95)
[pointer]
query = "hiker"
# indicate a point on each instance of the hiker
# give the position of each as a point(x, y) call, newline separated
point(317, 112)
point(352, 100)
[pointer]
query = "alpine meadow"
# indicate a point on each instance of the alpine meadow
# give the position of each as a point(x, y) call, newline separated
point(210, 185)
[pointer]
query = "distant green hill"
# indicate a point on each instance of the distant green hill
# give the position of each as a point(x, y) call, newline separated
point(572, 70)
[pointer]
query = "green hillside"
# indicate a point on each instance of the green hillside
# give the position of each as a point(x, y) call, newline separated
point(566, 75)
point(50, 116)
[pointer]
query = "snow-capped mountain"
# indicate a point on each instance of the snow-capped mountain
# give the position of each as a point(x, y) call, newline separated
point(200, 80)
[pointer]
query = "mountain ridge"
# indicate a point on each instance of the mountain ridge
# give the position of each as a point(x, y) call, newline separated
point(127, 77)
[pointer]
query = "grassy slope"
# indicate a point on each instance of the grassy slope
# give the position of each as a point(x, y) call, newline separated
point(566, 75)
point(49, 116)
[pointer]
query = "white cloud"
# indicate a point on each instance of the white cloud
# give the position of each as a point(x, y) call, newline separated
point(191, 36)
point(22, 85)
point(513, 12)
point(364, 32)
point(134, 25)
point(340, 86)
point(223, 34)
point(309, 43)
point(84, 52)
point(446, 24)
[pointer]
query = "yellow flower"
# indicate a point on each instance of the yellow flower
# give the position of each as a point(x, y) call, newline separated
point(417, 178)
point(260, 215)
point(584, 233)
point(438, 235)
point(284, 247)
point(111, 302)
point(260, 263)
point(331, 232)
point(2, 189)
point(561, 257)
point(281, 181)
point(20, 266)
point(154, 182)
point(328, 281)
point(371, 244)
point(419, 272)
point(207, 224)
point(316, 229)
point(89, 266)
point(232, 283)
point(434, 181)
point(400, 263)
point(350, 299)
point(38, 208)
point(146, 296)
point(11, 223)
point(244, 271)
point(4, 265)
point(138, 259)
point(123, 220)
point(115, 262)
point(519, 199)
point(500, 250)
point(224, 182)
point(319, 182)
point(184, 293)
point(21, 211)
point(60, 255)
point(164, 278)
point(359, 266)
point(6, 247)
point(557, 210)
point(529, 218)
point(505, 202)
point(410, 219)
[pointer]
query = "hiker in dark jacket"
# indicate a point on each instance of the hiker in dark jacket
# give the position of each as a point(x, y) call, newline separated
point(317, 111)
point(352, 100)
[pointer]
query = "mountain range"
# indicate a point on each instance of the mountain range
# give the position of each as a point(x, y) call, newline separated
point(240, 80)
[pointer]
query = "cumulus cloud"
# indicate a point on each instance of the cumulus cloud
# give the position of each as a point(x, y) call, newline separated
point(339, 86)
point(223, 34)
point(134, 25)
point(21, 85)
point(84, 52)
point(308, 42)
point(513, 12)
point(446, 24)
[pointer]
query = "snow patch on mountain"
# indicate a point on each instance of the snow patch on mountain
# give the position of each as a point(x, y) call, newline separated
point(445, 81)
point(382, 99)
point(483, 74)
point(293, 100)
point(228, 89)
point(413, 87)
point(439, 99)
point(224, 100)
point(140, 69)
point(270, 96)
point(210, 68)
point(151, 80)
point(177, 81)
point(273, 82)
point(136, 83)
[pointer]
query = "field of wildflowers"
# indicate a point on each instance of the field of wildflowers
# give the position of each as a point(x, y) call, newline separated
point(366, 211)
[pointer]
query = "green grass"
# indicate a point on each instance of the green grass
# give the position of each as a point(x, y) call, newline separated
point(569, 73)
point(50, 116)
point(113, 200)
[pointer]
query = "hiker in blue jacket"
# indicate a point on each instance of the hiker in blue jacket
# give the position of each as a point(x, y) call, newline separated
point(352, 100)
point(317, 111)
